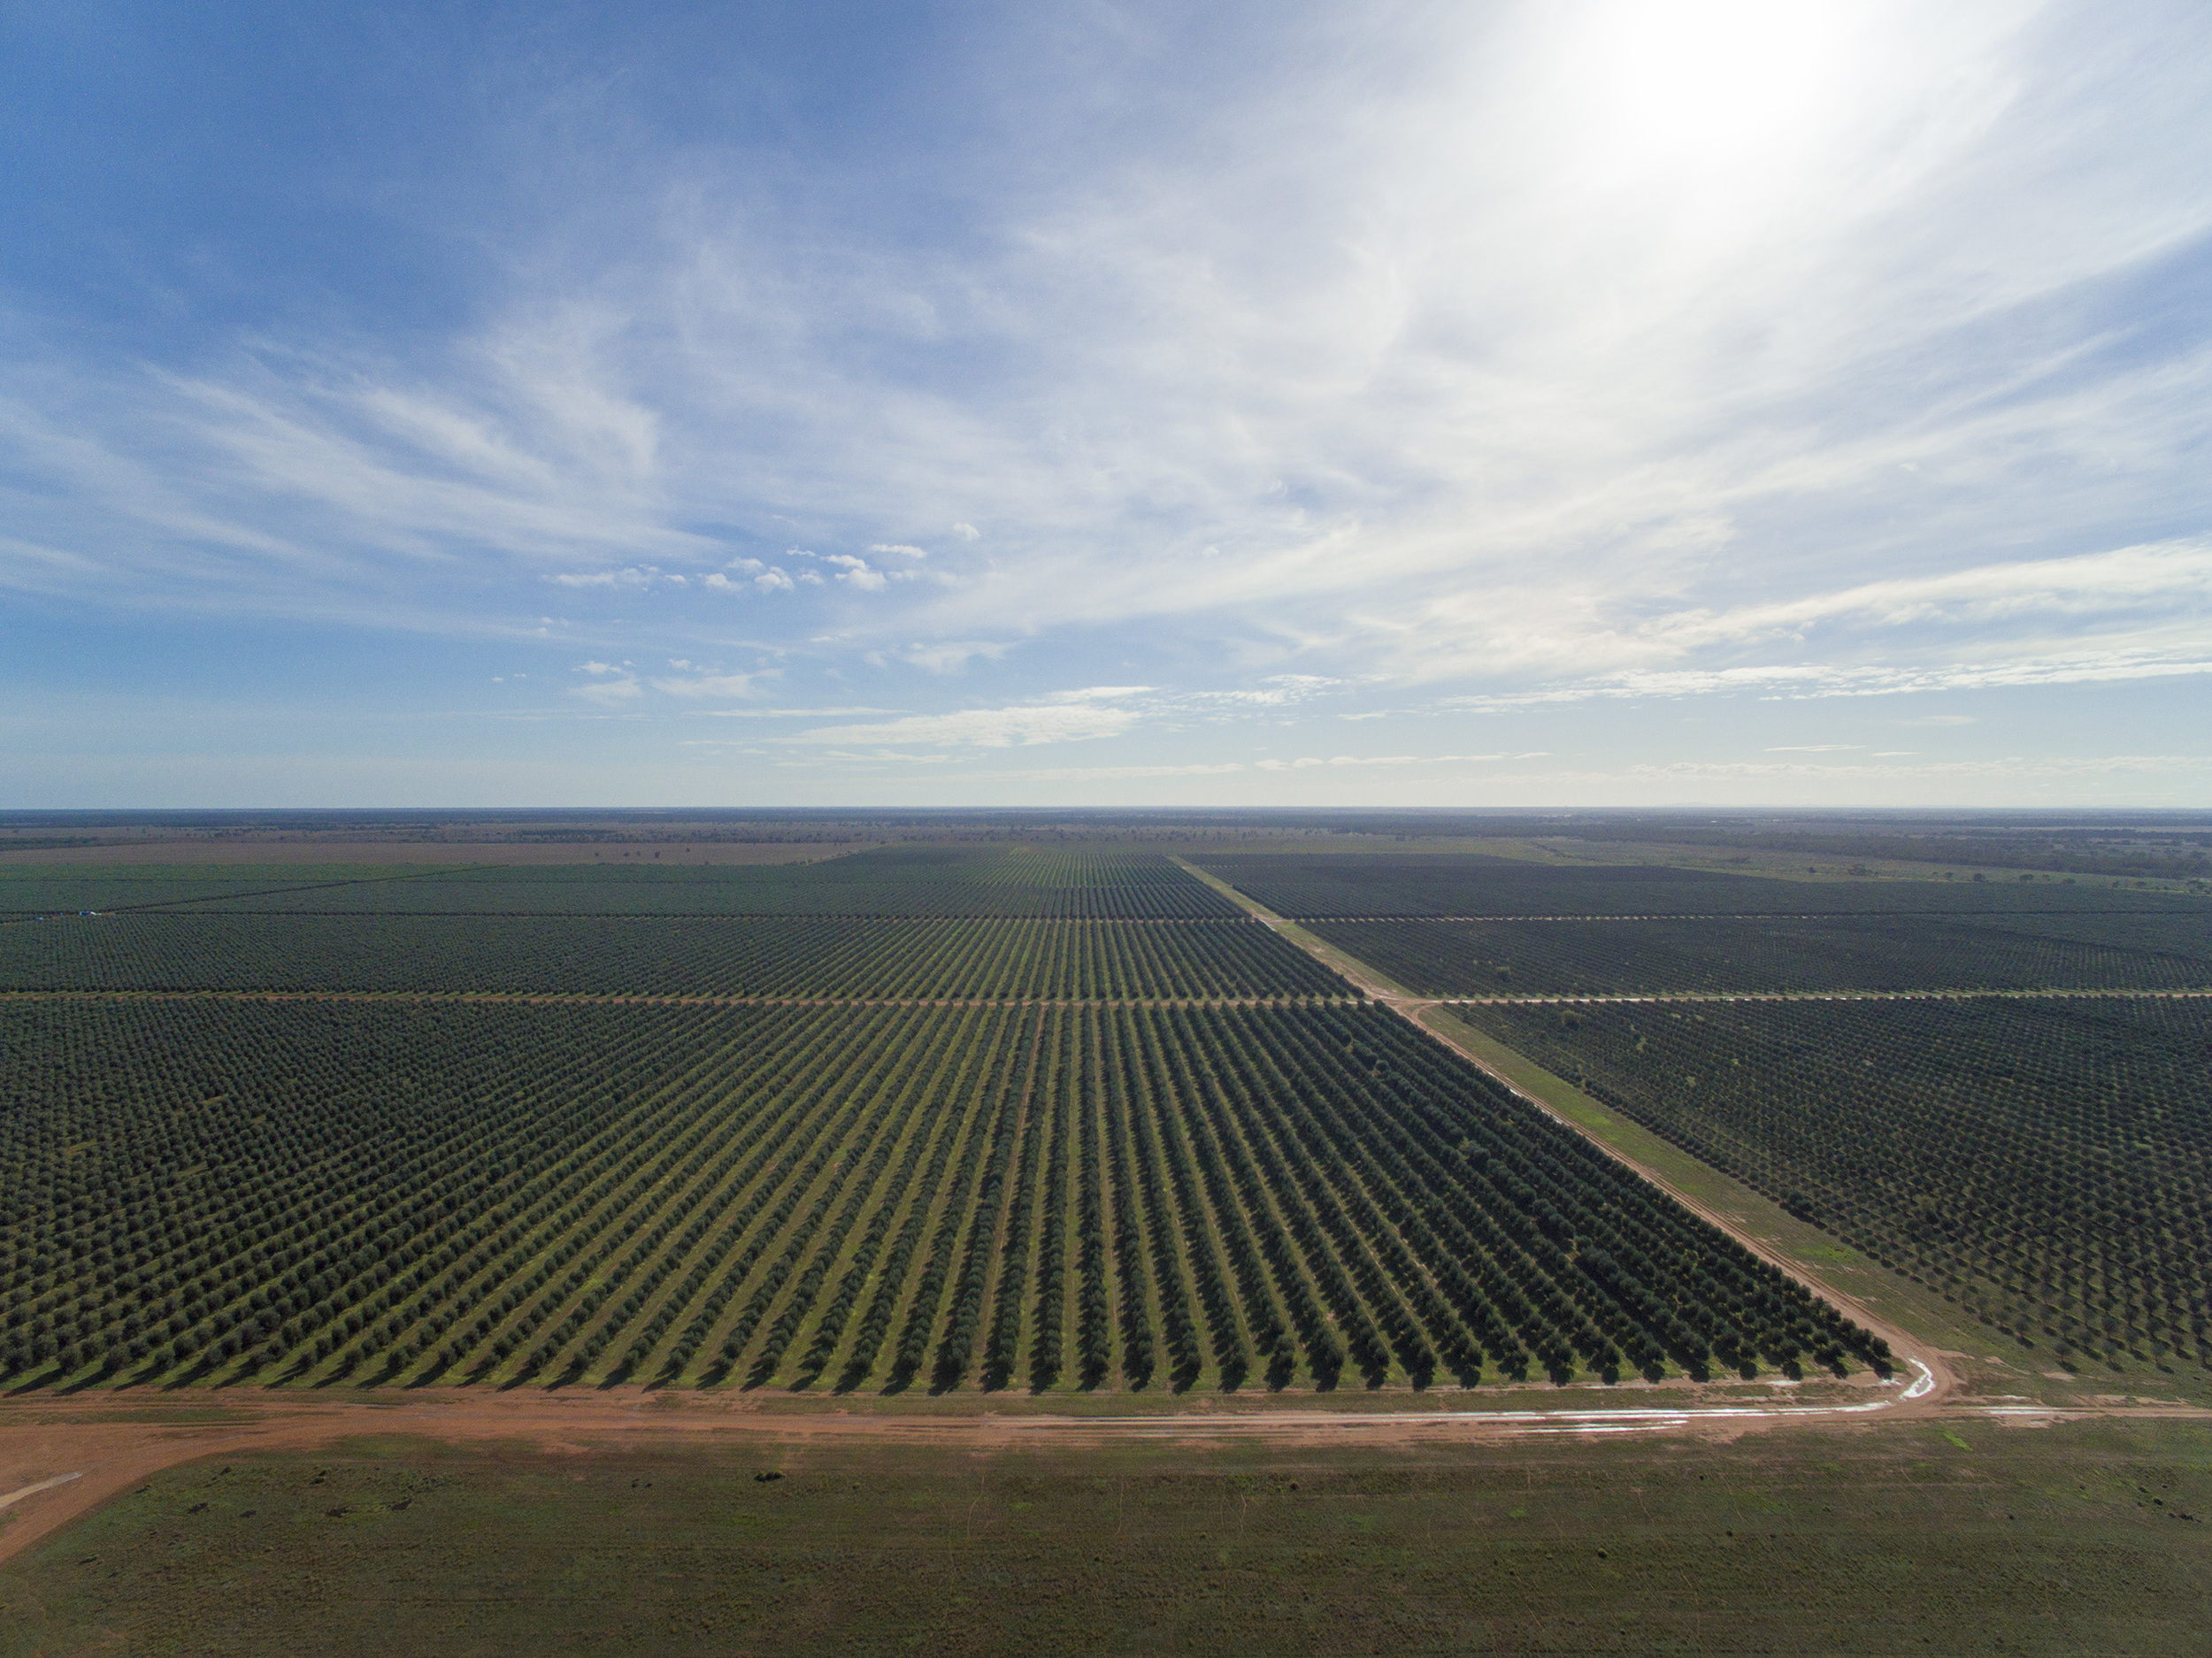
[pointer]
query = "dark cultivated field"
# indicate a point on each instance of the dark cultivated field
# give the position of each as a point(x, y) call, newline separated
point(1974, 1539)
point(2045, 1164)
point(1107, 883)
point(310, 1191)
point(32, 889)
point(1380, 884)
point(1930, 952)
point(649, 955)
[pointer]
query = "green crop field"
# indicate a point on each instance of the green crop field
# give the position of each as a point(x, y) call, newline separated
point(1100, 884)
point(2087, 1538)
point(1927, 952)
point(39, 889)
point(1436, 884)
point(617, 954)
point(2045, 1164)
point(825, 1195)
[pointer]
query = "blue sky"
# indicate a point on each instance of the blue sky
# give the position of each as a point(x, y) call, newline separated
point(1454, 405)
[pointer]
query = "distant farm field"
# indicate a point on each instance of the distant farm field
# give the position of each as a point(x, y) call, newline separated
point(842, 956)
point(1922, 952)
point(1430, 884)
point(1101, 884)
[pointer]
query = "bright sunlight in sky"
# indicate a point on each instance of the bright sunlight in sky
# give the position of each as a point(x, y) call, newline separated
point(1614, 402)
point(1712, 91)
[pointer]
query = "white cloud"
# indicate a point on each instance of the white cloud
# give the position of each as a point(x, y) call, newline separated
point(856, 573)
point(711, 684)
point(1815, 747)
point(1119, 773)
point(1306, 761)
point(608, 693)
point(1276, 690)
point(2022, 766)
point(1798, 681)
point(950, 656)
point(900, 548)
point(2091, 584)
point(985, 727)
point(633, 576)
point(967, 531)
point(607, 685)
point(1100, 693)
point(795, 713)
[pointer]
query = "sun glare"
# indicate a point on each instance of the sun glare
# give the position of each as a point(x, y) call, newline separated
point(1732, 86)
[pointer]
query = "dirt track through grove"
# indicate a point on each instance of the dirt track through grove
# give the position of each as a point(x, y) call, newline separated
point(1906, 1347)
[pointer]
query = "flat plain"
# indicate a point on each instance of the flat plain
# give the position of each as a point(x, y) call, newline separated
point(1013, 1129)
point(1936, 1537)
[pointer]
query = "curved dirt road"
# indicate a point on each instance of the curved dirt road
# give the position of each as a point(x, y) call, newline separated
point(77, 1451)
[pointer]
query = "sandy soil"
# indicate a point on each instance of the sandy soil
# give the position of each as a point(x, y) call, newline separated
point(112, 1442)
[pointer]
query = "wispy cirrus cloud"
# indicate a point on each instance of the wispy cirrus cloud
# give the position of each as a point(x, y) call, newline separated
point(702, 685)
point(1802, 681)
point(1306, 762)
point(1529, 358)
point(1071, 717)
point(609, 685)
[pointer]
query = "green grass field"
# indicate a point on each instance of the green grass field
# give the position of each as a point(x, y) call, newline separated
point(2072, 1539)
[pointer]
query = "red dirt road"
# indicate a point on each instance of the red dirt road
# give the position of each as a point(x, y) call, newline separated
point(62, 1456)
